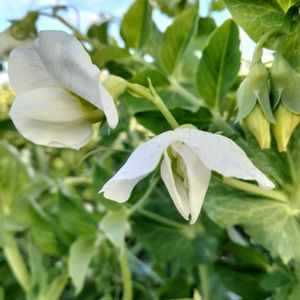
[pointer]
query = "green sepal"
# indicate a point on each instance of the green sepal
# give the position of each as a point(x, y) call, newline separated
point(285, 85)
point(255, 87)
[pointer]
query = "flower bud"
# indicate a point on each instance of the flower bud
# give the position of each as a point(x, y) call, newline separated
point(21, 32)
point(115, 85)
point(24, 28)
point(255, 88)
point(286, 122)
point(285, 85)
point(6, 98)
point(259, 127)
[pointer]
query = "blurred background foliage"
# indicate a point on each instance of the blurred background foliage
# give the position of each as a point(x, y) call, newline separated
point(61, 239)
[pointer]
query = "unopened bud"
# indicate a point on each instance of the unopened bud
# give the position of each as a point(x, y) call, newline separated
point(115, 85)
point(286, 122)
point(24, 28)
point(21, 32)
point(259, 127)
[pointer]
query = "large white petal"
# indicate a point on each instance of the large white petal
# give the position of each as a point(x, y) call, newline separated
point(222, 155)
point(198, 179)
point(50, 116)
point(175, 187)
point(26, 70)
point(141, 162)
point(67, 61)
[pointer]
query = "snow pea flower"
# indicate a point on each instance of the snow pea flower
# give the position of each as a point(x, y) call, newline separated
point(188, 157)
point(58, 92)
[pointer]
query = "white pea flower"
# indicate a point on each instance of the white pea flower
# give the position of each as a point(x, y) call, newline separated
point(188, 157)
point(59, 95)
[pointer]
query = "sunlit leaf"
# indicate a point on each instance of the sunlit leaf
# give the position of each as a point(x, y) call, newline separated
point(219, 64)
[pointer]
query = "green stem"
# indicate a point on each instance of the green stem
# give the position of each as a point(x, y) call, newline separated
point(258, 51)
point(126, 275)
point(151, 95)
point(145, 197)
point(204, 276)
point(160, 219)
point(76, 32)
point(187, 94)
point(292, 167)
point(254, 189)
point(16, 262)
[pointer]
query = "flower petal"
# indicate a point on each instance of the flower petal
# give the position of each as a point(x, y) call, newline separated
point(175, 187)
point(56, 121)
point(26, 70)
point(198, 179)
point(141, 162)
point(222, 155)
point(67, 61)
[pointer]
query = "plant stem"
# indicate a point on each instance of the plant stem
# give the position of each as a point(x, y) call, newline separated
point(76, 32)
point(161, 219)
point(145, 197)
point(186, 94)
point(16, 262)
point(151, 95)
point(126, 275)
point(204, 276)
point(254, 189)
point(258, 51)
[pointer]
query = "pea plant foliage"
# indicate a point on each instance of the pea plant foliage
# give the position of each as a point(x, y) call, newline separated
point(146, 165)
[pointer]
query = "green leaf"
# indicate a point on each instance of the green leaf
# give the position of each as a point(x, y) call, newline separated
point(180, 246)
point(244, 284)
point(286, 4)
point(55, 289)
point(81, 254)
point(114, 226)
point(74, 218)
point(291, 46)
point(158, 79)
point(42, 231)
point(219, 64)
point(14, 177)
point(107, 53)
point(154, 39)
point(136, 24)
point(275, 278)
point(176, 39)
point(275, 225)
point(154, 121)
point(256, 17)
point(99, 32)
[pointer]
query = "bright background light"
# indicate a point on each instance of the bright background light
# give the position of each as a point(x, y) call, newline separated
point(83, 13)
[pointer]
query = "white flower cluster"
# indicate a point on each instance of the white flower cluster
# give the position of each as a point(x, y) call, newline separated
point(59, 97)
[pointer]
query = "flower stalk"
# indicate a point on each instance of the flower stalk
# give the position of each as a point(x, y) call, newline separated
point(126, 275)
point(254, 189)
point(151, 94)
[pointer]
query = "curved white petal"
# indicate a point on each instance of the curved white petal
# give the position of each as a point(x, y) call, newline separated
point(222, 155)
point(141, 162)
point(26, 70)
point(175, 187)
point(198, 179)
point(50, 116)
point(67, 61)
